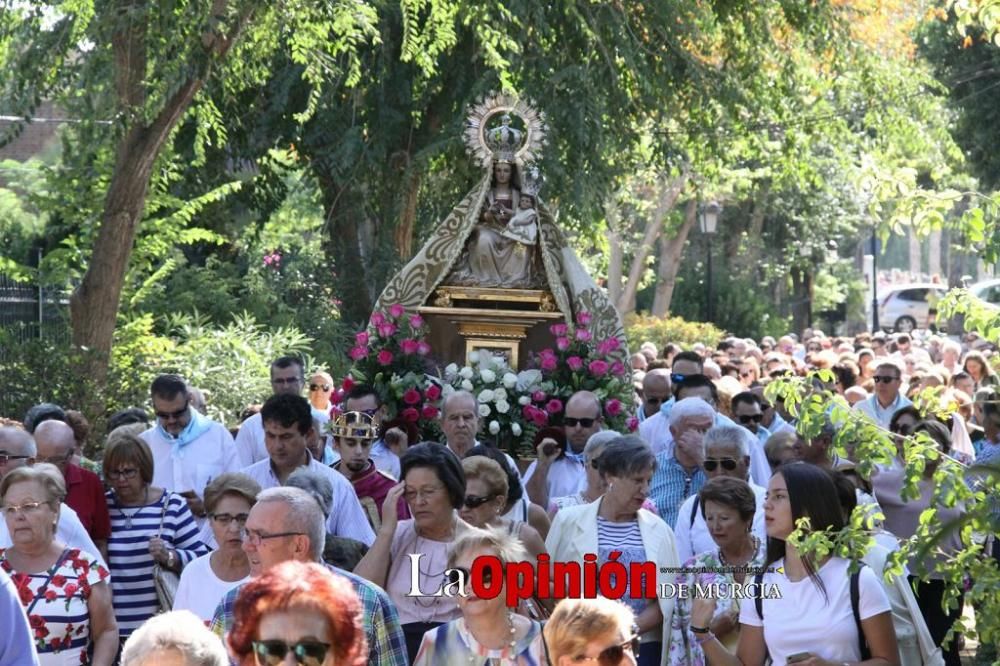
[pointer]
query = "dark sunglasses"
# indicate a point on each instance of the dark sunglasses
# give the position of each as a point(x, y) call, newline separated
point(653, 400)
point(710, 464)
point(318, 387)
point(747, 418)
point(612, 656)
point(456, 574)
point(570, 422)
point(473, 502)
point(6, 457)
point(308, 653)
point(884, 379)
point(676, 377)
point(163, 416)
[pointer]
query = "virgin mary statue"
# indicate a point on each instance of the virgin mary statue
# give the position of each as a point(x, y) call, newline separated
point(501, 235)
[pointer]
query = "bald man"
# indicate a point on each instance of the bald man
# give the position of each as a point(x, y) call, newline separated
point(655, 392)
point(564, 473)
point(55, 444)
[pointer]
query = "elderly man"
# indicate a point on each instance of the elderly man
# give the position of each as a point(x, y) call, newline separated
point(287, 524)
point(460, 423)
point(55, 444)
point(726, 454)
point(654, 429)
point(287, 377)
point(887, 399)
point(679, 471)
point(561, 473)
point(655, 392)
point(287, 424)
point(17, 449)
point(189, 449)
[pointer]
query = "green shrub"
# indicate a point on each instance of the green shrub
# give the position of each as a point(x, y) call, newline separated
point(642, 328)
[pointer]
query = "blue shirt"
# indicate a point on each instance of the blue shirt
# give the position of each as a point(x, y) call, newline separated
point(882, 416)
point(672, 484)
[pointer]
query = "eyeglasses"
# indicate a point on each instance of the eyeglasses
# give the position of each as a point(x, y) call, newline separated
point(612, 656)
point(167, 416)
point(319, 387)
point(473, 502)
point(6, 457)
point(456, 574)
point(884, 379)
point(571, 422)
point(254, 538)
point(127, 474)
point(227, 518)
point(728, 464)
point(414, 495)
point(676, 377)
point(307, 653)
point(747, 418)
point(27, 507)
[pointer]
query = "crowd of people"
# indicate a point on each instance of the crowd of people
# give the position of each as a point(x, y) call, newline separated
point(319, 536)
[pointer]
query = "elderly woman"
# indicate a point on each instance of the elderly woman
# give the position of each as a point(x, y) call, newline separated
point(342, 552)
point(518, 506)
point(149, 527)
point(488, 632)
point(485, 498)
point(728, 506)
point(434, 488)
point(591, 631)
point(617, 523)
point(204, 581)
point(178, 638)
point(302, 609)
point(64, 590)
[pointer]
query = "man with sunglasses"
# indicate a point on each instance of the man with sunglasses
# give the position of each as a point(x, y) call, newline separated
point(287, 524)
point(726, 454)
point(655, 392)
point(655, 427)
point(287, 378)
point(887, 398)
point(748, 412)
point(189, 449)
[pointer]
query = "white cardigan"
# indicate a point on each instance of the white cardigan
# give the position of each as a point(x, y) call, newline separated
point(574, 534)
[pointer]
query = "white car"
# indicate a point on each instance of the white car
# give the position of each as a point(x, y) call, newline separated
point(903, 307)
point(987, 291)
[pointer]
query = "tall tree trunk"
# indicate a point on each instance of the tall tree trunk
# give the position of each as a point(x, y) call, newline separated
point(801, 303)
point(344, 245)
point(670, 260)
point(403, 233)
point(94, 303)
point(616, 256)
point(934, 253)
point(914, 246)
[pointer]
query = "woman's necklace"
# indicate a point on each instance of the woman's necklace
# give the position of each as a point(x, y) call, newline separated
point(130, 516)
point(509, 648)
point(755, 546)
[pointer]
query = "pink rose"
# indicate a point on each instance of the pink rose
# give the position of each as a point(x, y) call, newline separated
point(423, 348)
point(562, 344)
point(361, 339)
point(539, 396)
point(433, 392)
point(613, 407)
point(583, 318)
point(614, 343)
point(396, 310)
point(358, 353)
point(549, 363)
point(409, 346)
point(386, 329)
point(574, 362)
point(536, 416)
point(429, 412)
point(618, 368)
point(377, 318)
point(554, 406)
point(583, 335)
point(559, 330)
point(632, 424)
point(412, 397)
point(598, 367)
point(416, 321)
point(410, 415)
point(384, 357)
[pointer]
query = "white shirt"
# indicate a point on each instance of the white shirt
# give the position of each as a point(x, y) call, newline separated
point(69, 530)
point(566, 477)
point(250, 438)
point(695, 539)
point(200, 590)
point(347, 518)
point(803, 621)
point(207, 457)
point(879, 415)
point(384, 458)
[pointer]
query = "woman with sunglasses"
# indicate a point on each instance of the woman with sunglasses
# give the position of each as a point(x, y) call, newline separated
point(299, 608)
point(485, 499)
point(617, 524)
point(597, 631)
point(228, 499)
point(488, 632)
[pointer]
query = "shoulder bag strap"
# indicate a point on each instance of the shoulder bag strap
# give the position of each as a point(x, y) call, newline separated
point(855, 601)
point(52, 572)
point(694, 510)
point(163, 514)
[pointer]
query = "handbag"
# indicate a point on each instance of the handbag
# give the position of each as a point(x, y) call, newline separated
point(165, 581)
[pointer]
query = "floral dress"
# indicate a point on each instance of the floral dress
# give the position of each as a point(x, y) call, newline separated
point(56, 601)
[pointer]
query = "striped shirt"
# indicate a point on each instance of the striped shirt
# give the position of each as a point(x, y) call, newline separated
point(672, 484)
point(625, 541)
point(132, 587)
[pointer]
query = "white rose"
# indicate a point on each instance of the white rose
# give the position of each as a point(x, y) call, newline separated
point(516, 429)
point(451, 370)
point(465, 373)
point(503, 406)
point(499, 394)
point(524, 400)
point(485, 396)
point(484, 410)
point(527, 379)
point(466, 385)
point(488, 376)
point(473, 357)
point(494, 427)
point(510, 380)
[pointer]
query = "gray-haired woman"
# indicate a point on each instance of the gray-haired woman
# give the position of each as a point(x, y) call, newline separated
point(179, 638)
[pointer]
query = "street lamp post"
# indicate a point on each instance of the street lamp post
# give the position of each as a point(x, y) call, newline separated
point(708, 221)
point(875, 326)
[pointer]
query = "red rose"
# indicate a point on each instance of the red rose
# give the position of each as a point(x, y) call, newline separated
point(59, 580)
point(410, 415)
point(71, 589)
point(384, 357)
point(347, 384)
point(433, 392)
point(50, 595)
point(429, 412)
point(25, 594)
point(412, 397)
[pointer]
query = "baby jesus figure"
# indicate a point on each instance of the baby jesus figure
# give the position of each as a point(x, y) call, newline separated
point(523, 226)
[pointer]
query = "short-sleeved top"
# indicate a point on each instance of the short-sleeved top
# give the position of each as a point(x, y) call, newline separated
point(432, 564)
point(802, 620)
point(200, 590)
point(56, 600)
point(452, 644)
